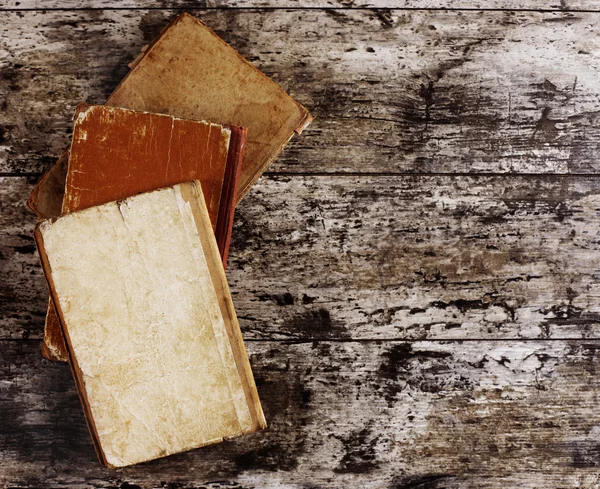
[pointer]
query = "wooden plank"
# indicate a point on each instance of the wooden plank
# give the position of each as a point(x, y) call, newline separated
point(392, 415)
point(419, 257)
point(560, 5)
point(393, 91)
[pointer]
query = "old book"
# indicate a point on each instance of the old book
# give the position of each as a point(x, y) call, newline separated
point(158, 356)
point(118, 152)
point(188, 71)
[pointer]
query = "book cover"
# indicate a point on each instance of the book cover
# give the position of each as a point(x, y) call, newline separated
point(158, 356)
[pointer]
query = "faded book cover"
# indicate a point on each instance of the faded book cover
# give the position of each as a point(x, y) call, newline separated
point(158, 356)
point(189, 72)
point(118, 152)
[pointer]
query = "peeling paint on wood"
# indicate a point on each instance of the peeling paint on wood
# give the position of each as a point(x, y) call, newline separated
point(373, 414)
point(413, 257)
point(398, 91)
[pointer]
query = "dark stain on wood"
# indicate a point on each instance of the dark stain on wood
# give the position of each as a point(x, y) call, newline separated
point(59, 419)
point(546, 127)
point(271, 456)
point(335, 13)
point(316, 323)
point(246, 235)
point(566, 18)
point(286, 402)
point(426, 93)
point(431, 481)
point(151, 23)
point(562, 314)
point(398, 370)
point(385, 17)
point(584, 454)
point(360, 452)
point(11, 75)
point(25, 249)
point(285, 299)
point(129, 485)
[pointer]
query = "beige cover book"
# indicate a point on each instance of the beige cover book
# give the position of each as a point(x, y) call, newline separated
point(152, 336)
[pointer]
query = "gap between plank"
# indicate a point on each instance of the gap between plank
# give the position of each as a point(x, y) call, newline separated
point(430, 174)
point(262, 9)
point(378, 340)
point(379, 174)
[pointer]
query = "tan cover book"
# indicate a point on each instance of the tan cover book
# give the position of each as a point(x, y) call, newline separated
point(152, 336)
point(119, 152)
point(189, 72)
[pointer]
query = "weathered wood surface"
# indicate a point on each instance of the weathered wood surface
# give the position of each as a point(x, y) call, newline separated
point(368, 414)
point(366, 257)
point(393, 91)
point(543, 5)
point(346, 256)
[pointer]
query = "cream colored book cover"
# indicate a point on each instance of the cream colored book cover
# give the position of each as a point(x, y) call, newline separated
point(152, 335)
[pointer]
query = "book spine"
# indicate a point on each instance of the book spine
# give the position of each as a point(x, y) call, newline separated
point(231, 180)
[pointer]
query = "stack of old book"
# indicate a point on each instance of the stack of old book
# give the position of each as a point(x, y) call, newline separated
point(136, 224)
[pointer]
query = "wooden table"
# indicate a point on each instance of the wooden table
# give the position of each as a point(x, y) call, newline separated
point(418, 275)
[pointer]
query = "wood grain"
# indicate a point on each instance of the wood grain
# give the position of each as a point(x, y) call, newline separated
point(366, 414)
point(357, 251)
point(561, 5)
point(337, 257)
point(393, 91)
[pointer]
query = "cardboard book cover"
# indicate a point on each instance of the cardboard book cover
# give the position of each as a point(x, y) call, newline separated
point(118, 152)
point(158, 357)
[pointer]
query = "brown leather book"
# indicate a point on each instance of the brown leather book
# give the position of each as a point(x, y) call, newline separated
point(153, 340)
point(188, 71)
point(118, 152)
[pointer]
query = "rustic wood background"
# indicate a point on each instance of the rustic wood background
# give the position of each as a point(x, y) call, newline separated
point(417, 277)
